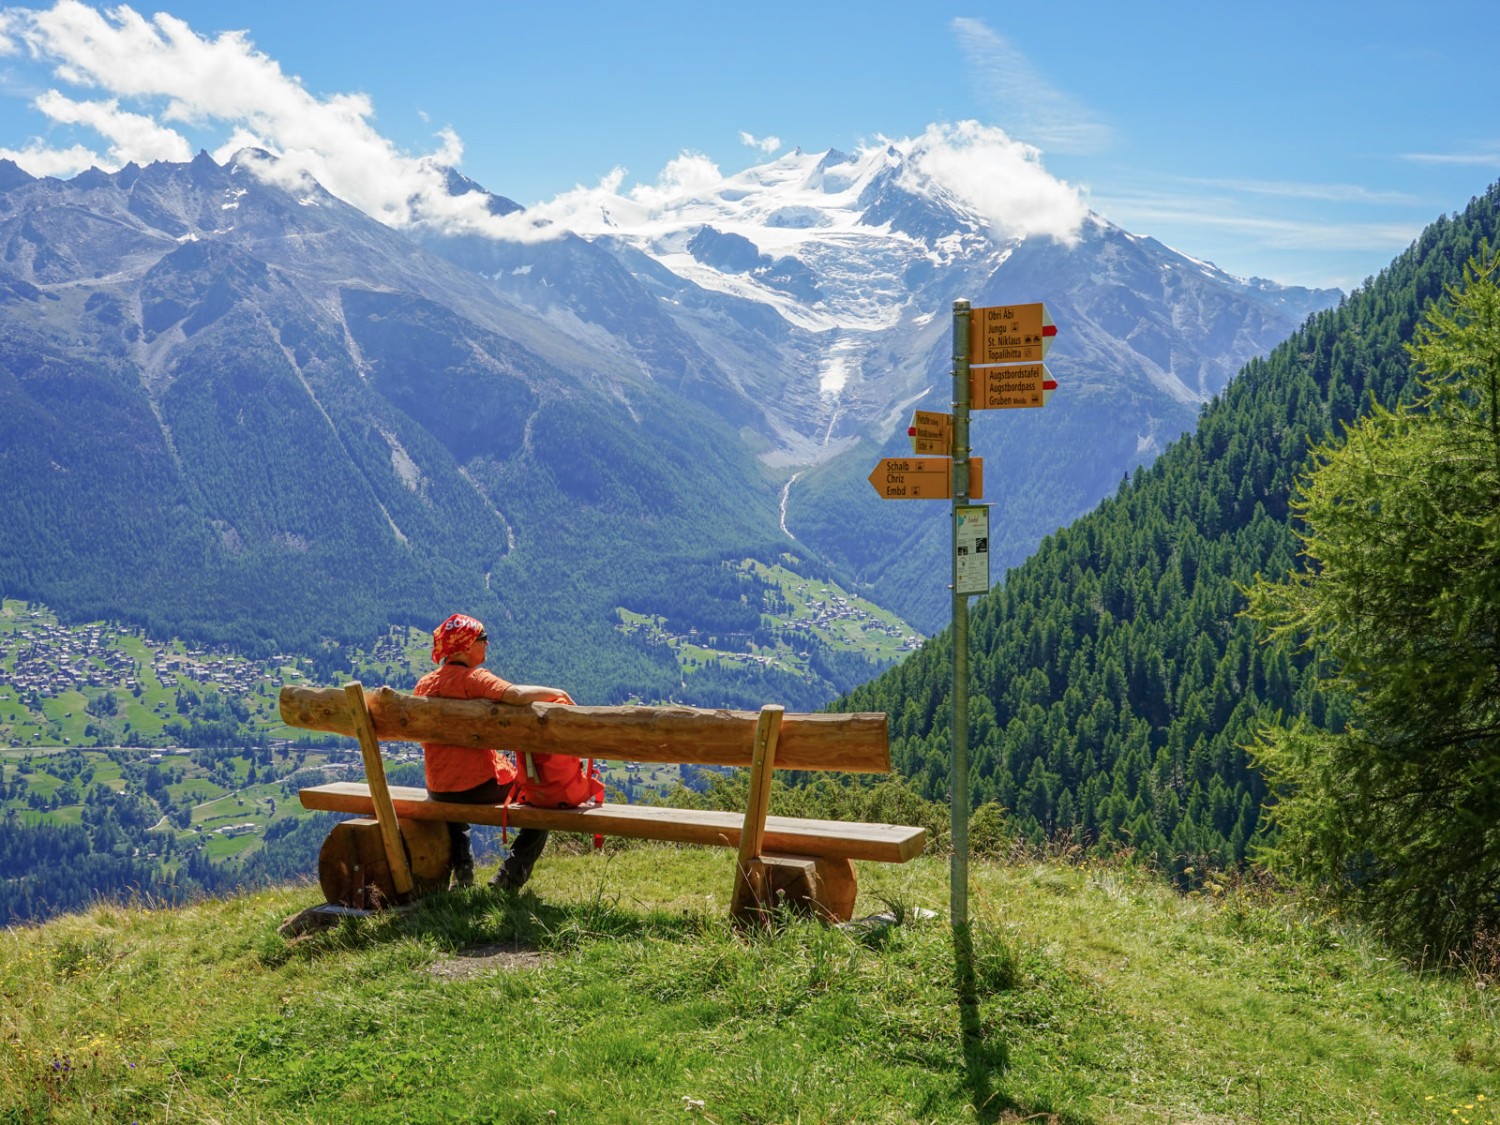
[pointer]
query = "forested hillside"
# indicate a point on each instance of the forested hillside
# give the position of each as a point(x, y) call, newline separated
point(1115, 684)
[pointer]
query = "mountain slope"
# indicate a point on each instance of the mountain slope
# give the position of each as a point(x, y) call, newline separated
point(237, 410)
point(1114, 685)
point(807, 301)
point(236, 407)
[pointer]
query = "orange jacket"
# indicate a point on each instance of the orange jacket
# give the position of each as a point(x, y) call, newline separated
point(451, 769)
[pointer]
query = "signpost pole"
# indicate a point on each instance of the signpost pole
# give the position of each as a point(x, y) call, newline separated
point(959, 777)
point(1006, 344)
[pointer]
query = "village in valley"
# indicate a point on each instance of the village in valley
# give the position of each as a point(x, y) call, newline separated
point(801, 615)
point(96, 714)
point(50, 660)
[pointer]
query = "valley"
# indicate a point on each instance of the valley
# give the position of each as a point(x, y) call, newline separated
point(106, 685)
point(804, 622)
point(171, 758)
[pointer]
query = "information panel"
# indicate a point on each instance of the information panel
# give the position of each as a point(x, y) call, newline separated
point(971, 545)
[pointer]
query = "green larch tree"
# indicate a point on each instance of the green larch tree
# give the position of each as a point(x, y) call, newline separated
point(1399, 600)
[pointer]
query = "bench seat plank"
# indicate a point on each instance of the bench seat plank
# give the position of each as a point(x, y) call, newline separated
point(846, 742)
point(887, 843)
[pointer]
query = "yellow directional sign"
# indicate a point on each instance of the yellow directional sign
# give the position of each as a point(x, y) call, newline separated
point(1005, 388)
point(923, 478)
point(1010, 334)
point(931, 432)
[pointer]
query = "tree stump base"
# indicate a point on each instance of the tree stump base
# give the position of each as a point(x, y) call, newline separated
point(823, 888)
point(353, 870)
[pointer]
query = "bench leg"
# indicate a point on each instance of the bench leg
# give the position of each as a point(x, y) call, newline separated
point(429, 851)
point(825, 888)
point(838, 889)
point(750, 894)
point(765, 882)
point(353, 869)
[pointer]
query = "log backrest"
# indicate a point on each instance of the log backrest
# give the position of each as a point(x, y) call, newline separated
point(855, 742)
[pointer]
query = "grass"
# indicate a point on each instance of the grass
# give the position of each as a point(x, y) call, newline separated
point(615, 990)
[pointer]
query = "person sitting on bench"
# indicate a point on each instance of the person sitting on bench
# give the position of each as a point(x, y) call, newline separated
point(468, 775)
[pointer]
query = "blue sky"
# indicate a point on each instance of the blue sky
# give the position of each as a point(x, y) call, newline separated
point(1308, 143)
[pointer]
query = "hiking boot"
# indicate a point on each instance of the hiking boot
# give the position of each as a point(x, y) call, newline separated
point(463, 875)
point(510, 877)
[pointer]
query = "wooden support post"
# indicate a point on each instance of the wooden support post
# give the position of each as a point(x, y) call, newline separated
point(380, 793)
point(752, 889)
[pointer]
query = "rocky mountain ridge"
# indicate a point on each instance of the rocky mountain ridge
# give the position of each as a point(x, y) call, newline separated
point(236, 406)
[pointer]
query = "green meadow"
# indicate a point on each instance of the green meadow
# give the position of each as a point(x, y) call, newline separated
point(614, 989)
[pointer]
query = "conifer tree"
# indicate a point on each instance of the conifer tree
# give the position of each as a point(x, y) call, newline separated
point(1400, 601)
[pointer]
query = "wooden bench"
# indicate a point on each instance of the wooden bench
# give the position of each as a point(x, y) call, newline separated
point(807, 862)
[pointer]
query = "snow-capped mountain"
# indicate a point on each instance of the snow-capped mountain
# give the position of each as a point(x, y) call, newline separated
point(809, 299)
point(234, 407)
point(231, 404)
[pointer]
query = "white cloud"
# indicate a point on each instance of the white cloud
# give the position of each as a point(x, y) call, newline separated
point(132, 136)
point(1025, 103)
point(688, 175)
point(64, 163)
point(583, 208)
point(167, 73)
point(997, 176)
point(767, 145)
point(1478, 158)
point(1275, 231)
point(1324, 193)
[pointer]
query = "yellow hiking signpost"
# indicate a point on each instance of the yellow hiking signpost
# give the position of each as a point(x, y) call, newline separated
point(997, 365)
point(931, 432)
point(1010, 334)
point(1005, 388)
point(922, 478)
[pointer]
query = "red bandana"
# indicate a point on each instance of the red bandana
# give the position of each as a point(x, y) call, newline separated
point(454, 636)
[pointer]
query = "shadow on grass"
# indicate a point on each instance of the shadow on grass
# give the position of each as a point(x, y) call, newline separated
point(476, 917)
point(986, 1053)
point(986, 1056)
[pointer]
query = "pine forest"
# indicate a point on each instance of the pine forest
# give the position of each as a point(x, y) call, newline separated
point(1117, 685)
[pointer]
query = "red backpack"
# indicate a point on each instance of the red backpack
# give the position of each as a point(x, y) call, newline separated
point(553, 781)
point(557, 781)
